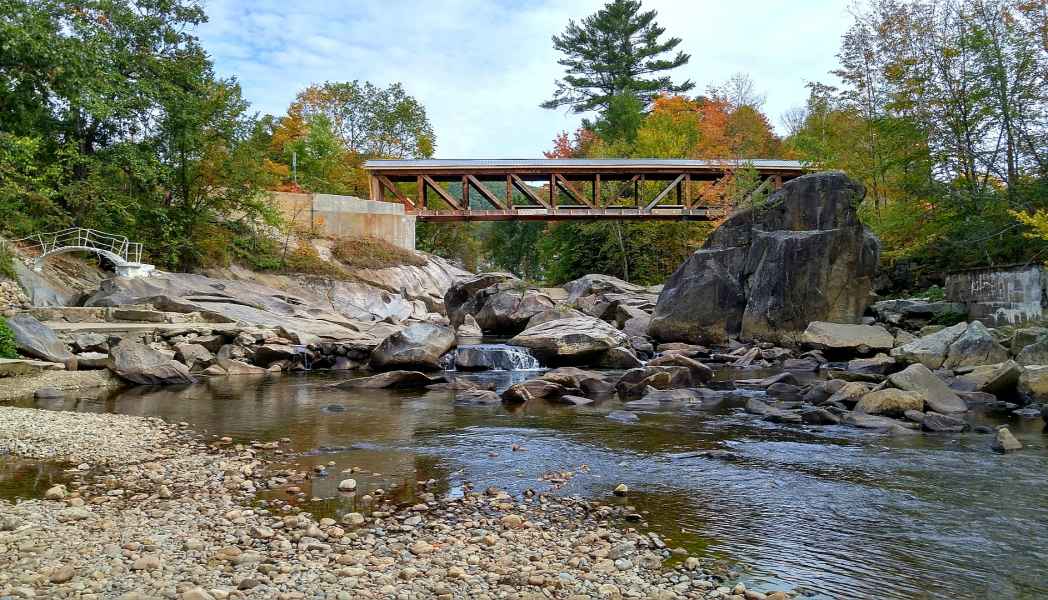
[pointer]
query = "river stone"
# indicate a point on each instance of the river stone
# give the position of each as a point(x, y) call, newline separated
point(941, 423)
point(143, 365)
point(814, 415)
point(510, 307)
point(938, 397)
point(619, 358)
point(90, 341)
point(890, 402)
point(635, 382)
point(33, 338)
point(976, 346)
point(596, 283)
point(699, 372)
point(861, 339)
point(622, 416)
point(573, 339)
point(391, 379)
point(769, 271)
point(1004, 441)
point(1033, 383)
point(526, 391)
point(849, 393)
point(865, 421)
point(570, 400)
point(930, 350)
point(194, 356)
point(878, 365)
point(1035, 353)
point(1001, 378)
point(1025, 336)
point(477, 397)
point(591, 383)
point(233, 367)
point(421, 345)
point(553, 314)
point(469, 328)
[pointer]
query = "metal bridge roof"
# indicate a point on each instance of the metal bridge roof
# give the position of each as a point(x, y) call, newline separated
point(576, 163)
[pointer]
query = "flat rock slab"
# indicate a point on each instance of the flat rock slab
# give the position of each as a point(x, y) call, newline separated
point(823, 335)
point(937, 397)
point(15, 367)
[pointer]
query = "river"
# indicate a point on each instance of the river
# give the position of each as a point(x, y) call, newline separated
point(832, 512)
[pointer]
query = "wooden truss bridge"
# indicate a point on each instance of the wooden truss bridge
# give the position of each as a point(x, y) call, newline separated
point(561, 189)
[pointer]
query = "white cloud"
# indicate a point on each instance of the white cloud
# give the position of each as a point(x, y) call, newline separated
point(481, 68)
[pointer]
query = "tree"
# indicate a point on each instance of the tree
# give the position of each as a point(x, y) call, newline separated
point(615, 51)
point(371, 121)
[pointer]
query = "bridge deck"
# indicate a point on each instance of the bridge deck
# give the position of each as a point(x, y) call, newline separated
point(557, 189)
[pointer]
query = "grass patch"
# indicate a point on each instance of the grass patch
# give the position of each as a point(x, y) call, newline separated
point(7, 341)
point(373, 253)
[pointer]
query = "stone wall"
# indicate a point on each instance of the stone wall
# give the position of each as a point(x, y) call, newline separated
point(348, 216)
point(1000, 296)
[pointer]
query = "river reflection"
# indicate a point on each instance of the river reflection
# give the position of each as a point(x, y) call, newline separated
point(833, 511)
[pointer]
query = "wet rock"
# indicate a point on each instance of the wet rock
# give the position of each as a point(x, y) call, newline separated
point(800, 364)
point(930, 350)
point(657, 397)
point(233, 367)
point(1035, 353)
point(849, 393)
point(591, 383)
point(1004, 442)
point(619, 358)
point(771, 413)
point(194, 356)
point(941, 423)
point(821, 391)
point(814, 415)
point(570, 400)
point(635, 382)
point(842, 337)
point(420, 345)
point(1001, 378)
point(976, 346)
point(865, 421)
point(392, 379)
point(937, 397)
point(483, 357)
point(890, 402)
point(804, 256)
point(700, 373)
point(878, 365)
point(477, 397)
point(570, 340)
point(33, 338)
point(622, 416)
point(143, 365)
point(534, 389)
point(785, 391)
point(1033, 383)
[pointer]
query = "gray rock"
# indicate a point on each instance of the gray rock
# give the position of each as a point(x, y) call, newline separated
point(33, 338)
point(1035, 353)
point(589, 382)
point(391, 379)
point(804, 256)
point(865, 421)
point(976, 346)
point(420, 345)
point(878, 365)
point(1005, 442)
point(509, 308)
point(861, 339)
point(469, 327)
point(534, 389)
point(477, 397)
point(637, 326)
point(890, 402)
point(622, 416)
point(570, 400)
point(1025, 336)
point(800, 364)
point(996, 379)
point(635, 382)
point(896, 311)
point(619, 358)
point(48, 393)
point(699, 372)
point(194, 356)
point(592, 284)
point(1033, 383)
point(930, 350)
point(143, 365)
point(90, 342)
point(938, 397)
point(941, 423)
point(574, 339)
point(814, 415)
point(555, 313)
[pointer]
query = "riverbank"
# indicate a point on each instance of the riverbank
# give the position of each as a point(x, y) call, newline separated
point(151, 510)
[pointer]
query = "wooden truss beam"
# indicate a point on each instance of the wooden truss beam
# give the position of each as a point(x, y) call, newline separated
point(492, 198)
point(527, 191)
point(663, 193)
point(389, 185)
point(570, 189)
point(444, 194)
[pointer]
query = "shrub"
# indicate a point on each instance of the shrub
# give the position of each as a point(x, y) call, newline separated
point(373, 253)
point(305, 260)
point(7, 341)
point(7, 263)
point(948, 318)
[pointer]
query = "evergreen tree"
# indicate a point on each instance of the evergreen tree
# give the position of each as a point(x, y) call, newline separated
point(615, 51)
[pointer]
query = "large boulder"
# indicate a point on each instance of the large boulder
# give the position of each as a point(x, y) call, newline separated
point(143, 365)
point(499, 302)
point(769, 271)
point(992, 379)
point(930, 350)
point(976, 346)
point(1033, 383)
point(577, 339)
point(938, 397)
point(1034, 353)
point(847, 337)
point(420, 345)
point(914, 309)
point(33, 338)
point(891, 402)
point(594, 283)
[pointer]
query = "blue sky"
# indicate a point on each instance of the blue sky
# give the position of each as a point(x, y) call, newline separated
point(481, 68)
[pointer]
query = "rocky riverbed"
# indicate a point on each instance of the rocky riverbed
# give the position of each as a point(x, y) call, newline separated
point(157, 512)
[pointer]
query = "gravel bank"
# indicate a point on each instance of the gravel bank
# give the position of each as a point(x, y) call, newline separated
point(12, 388)
point(154, 513)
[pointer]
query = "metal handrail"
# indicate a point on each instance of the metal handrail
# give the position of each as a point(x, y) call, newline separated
point(81, 237)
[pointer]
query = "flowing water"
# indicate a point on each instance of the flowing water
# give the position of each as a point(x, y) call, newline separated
point(831, 511)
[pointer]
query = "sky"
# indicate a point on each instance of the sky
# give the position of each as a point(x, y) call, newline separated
point(482, 67)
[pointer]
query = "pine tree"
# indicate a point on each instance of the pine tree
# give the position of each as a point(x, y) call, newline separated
point(612, 52)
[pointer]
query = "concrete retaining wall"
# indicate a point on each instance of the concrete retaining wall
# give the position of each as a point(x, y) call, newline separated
point(1000, 296)
point(348, 216)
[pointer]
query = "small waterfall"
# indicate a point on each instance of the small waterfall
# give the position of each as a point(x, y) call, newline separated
point(495, 357)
